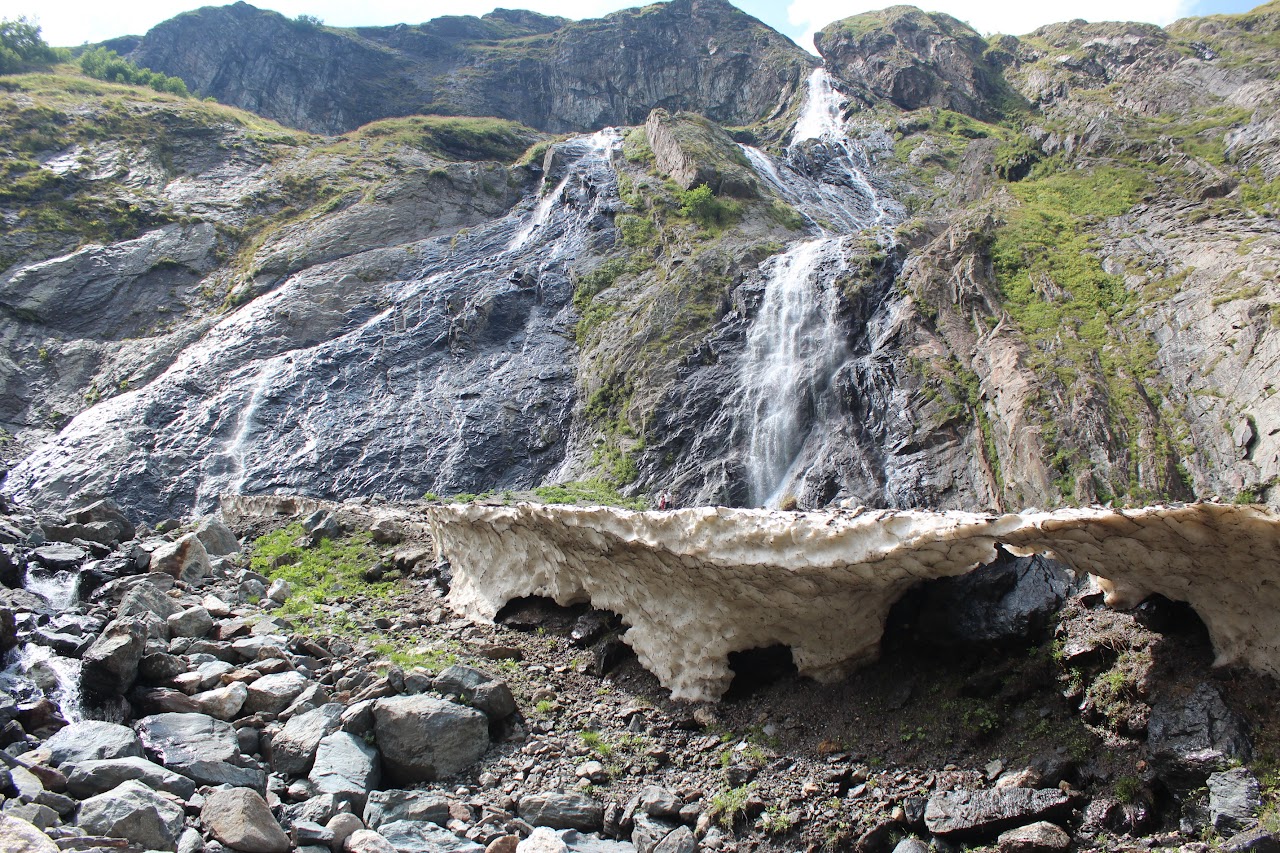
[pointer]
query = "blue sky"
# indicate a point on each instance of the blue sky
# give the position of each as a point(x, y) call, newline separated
point(72, 22)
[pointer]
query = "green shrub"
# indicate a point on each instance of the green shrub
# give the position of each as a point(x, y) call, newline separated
point(701, 205)
point(103, 64)
point(636, 230)
point(23, 49)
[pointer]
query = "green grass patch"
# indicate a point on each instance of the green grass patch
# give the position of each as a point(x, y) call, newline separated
point(594, 492)
point(453, 137)
point(319, 573)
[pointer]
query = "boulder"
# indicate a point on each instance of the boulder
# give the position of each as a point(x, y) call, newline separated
point(1192, 736)
point(222, 703)
point(110, 666)
point(1039, 837)
point(1234, 800)
point(217, 538)
point(132, 810)
point(482, 691)
point(411, 836)
point(346, 767)
point(422, 738)
point(368, 841)
point(240, 819)
point(60, 556)
point(19, 836)
point(978, 815)
point(185, 559)
point(108, 518)
point(561, 810)
point(271, 694)
point(92, 740)
point(145, 597)
point(87, 778)
point(199, 747)
point(395, 805)
point(293, 749)
point(194, 622)
point(342, 826)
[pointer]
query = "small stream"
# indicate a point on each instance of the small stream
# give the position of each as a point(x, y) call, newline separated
point(32, 670)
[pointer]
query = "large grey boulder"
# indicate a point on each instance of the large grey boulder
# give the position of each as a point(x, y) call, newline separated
point(110, 666)
point(217, 538)
point(222, 703)
point(483, 691)
point(87, 778)
point(132, 810)
point(199, 747)
point(368, 841)
point(19, 836)
point(978, 815)
point(240, 819)
point(561, 810)
point(145, 597)
point(394, 805)
point(422, 738)
point(346, 767)
point(271, 694)
point(194, 622)
point(411, 836)
point(1192, 736)
point(60, 556)
point(92, 740)
point(1234, 800)
point(185, 559)
point(293, 749)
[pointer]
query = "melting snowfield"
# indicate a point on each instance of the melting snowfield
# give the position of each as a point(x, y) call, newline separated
point(694, 585)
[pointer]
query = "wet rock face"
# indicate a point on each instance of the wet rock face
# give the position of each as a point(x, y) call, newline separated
point(702, 55)
point(914, 59)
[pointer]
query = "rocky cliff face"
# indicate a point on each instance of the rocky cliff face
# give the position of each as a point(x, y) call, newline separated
point(549, 73)
point(851, 285)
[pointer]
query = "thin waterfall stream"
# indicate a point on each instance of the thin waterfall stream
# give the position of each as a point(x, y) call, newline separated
point(797, 342)
point(32, 669)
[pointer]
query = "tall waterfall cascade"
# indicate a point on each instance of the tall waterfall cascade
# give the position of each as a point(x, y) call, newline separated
point(797, 342)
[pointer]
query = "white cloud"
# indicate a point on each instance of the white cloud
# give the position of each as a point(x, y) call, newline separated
point(993, 16)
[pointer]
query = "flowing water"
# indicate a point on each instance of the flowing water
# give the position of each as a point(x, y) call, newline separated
point(797, 342)
point(34, 670)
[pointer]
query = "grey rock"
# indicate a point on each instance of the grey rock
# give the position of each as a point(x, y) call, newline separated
point(194, 622)
point(19, 836)
point(648, 832)
point(160, 667)
point(408, 836)
point(561, 810)
point(92, 740)
point(543, 839)
point(223, 703)
point(368, 841)
point(39, 816)
point(422, 738)
point(240, 818)
point(346, 767)
point(132, 810)
point(976, 815)
point(342, 826)
point(659, 802)
point(293, 749)
point(482, 690)
point(217, 538)
point(679, 840)
point(185, 560)
point(60, 556)
point(1258, 840)
point(1234, 800)
point(88, 778)
point(191, 841)
point(199, 747)
point(1011, 600)
point(396, 805)
point(305, 832)
point(318, 809)
point(911, 845)
point(1192, 736)
point(279, 591)
point(1039, 837)
point(110, 665)
point(273, 693)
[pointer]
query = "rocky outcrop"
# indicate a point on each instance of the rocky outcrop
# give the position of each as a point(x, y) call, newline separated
point(916, 59)
point(695, 585)
point(549, 73)
point(691, 150)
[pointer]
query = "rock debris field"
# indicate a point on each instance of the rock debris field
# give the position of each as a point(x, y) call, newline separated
point(290, 676)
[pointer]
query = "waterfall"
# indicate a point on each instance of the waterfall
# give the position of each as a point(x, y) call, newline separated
point(797, 343)
point(33, 669)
